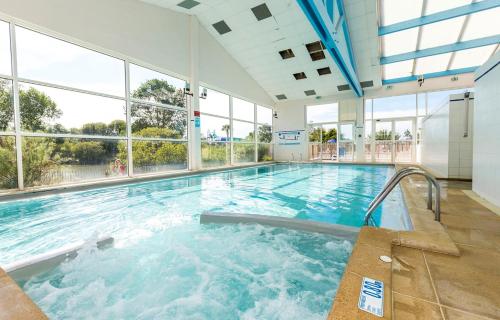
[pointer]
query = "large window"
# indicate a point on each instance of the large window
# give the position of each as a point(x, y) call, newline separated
point(323, 113)
point(77, 122)
point(8, 165)
point(158, 121)
point(43, 58)
point(69, 112)
point(238, 139)
point(215, 129)
point(5, 61)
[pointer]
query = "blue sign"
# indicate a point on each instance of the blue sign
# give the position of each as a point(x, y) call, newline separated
point(371, 297)
point(196, 122)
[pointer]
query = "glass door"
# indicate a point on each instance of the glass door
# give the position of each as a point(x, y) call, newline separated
point(383, 141)
point(330, 146)
point(315, 141)
point(403, 140)
point(369, 145)
point(346, 142)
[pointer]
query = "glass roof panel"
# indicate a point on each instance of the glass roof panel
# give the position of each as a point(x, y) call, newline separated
point(400, 42)
point(432, 64)
point(441, 33)
point(398, 69)
point(434, 6)
point(472, 57)
point(394, 11)
point(483, 24)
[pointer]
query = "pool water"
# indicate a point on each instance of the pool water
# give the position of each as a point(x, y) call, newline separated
point(165, 265)
point(199, 272)
point(337, 194)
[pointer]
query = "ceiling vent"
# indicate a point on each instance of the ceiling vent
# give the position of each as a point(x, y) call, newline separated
point(286, 54)
point(323, 71)
point(299, 75)
point(319, 55)
point(366, 84)
point(221, 27)
point(280, 96)
point(315, 50)
point(343, 87)
point(315, 46)
point(188, 4)
point(261, 12)
point(310, 92)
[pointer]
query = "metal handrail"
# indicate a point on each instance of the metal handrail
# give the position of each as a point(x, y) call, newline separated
point(394, 182)
point(391, 180)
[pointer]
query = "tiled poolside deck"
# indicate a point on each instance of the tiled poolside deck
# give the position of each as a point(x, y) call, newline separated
point(439, 271)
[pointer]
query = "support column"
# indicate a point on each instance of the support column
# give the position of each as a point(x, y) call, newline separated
point(359, 137)
point(194, 107)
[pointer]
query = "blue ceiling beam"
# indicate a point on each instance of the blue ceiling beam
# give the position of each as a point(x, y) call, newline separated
point(431, 75)
point(439, 16)
point(329, 21)
point(463, 45)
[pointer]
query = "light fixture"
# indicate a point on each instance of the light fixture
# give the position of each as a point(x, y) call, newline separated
point(187, 89)
point(203, 94)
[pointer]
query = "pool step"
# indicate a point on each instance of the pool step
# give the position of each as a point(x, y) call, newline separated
point(341, 231)
point(24, 269)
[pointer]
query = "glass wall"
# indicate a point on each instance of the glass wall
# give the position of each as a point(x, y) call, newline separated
point(247, 135)
point(215, 129)
point(331, 131)
point(393, 124)
point(77, 122)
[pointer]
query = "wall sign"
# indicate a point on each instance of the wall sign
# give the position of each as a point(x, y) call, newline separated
point(197, 122)
point(290, 137)
point(371, 297)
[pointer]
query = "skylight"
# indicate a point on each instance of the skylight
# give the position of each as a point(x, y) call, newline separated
point(431, 37)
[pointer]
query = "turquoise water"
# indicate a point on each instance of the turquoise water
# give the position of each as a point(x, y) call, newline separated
point(199, 272)
point(329, 193)
point(165, 265)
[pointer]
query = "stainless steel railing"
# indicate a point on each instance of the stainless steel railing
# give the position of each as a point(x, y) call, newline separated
point(394, 181)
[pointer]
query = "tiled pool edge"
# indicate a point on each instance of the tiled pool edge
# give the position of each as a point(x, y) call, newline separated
point(14, 303)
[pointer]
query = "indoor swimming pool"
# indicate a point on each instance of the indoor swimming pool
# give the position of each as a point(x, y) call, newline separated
point(164, 263)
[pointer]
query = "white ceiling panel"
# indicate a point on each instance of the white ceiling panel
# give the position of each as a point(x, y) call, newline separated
point(472, 57)
point(483, 24)
point(432, 64)
point(434, 6)
point(441, 33)
point(398, 69)
point(400, 42)
point(394, 11)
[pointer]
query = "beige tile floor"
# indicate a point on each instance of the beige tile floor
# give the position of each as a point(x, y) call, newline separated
point(429, 285)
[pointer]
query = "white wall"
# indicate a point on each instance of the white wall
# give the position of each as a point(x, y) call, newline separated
point(486, 152)
point(445, 151)
point(435, 142)
point(292, 116)
point(147, 34)
point(460, 152)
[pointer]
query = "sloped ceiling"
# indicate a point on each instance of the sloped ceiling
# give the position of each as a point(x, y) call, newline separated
point(255, 45)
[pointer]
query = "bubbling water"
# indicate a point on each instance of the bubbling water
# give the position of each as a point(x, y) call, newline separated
point(199, 272)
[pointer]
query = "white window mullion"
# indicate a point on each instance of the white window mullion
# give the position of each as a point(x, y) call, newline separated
point(256, 157)
point(231, 130)
point(130, 158)
point(17, 110)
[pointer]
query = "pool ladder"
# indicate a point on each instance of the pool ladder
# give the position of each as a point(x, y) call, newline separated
point(394, 181)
